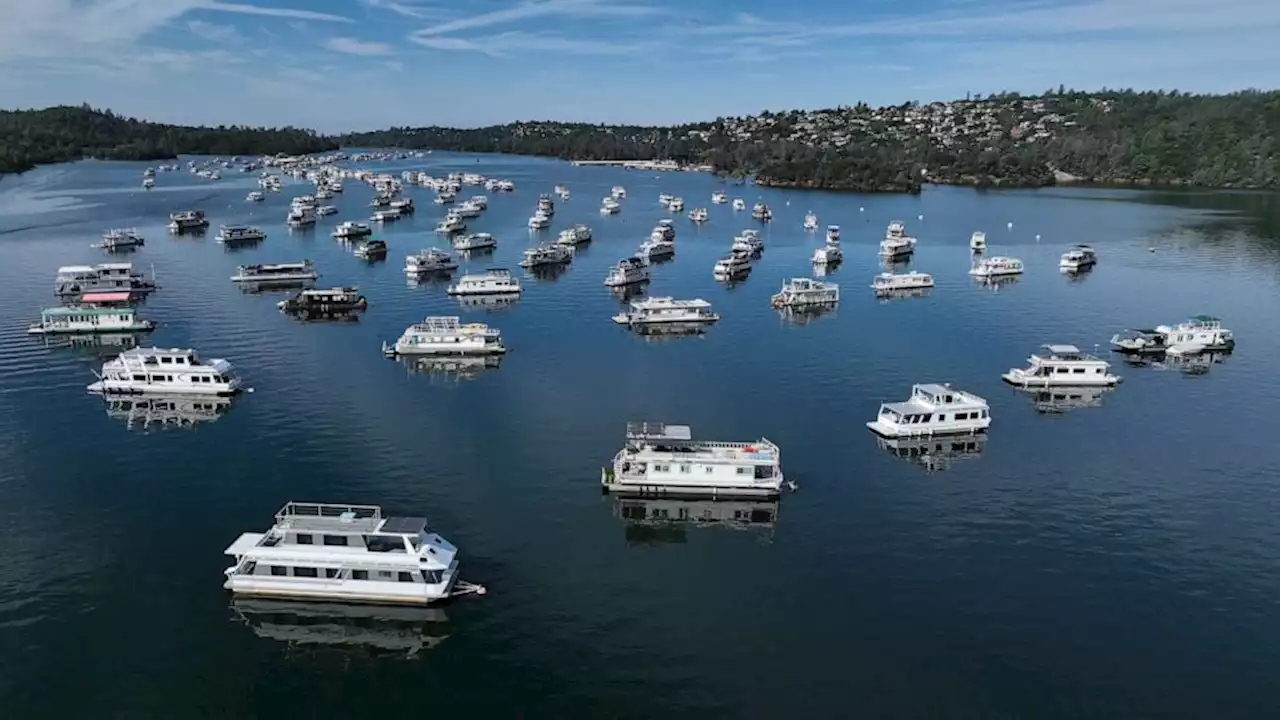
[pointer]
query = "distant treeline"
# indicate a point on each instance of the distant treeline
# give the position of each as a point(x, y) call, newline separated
point(1114, 137)
point(58, 134)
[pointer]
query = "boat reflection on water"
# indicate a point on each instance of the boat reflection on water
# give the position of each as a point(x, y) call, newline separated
point(378, 630)
point(626, 293)
point(934, 453)
point(274, 286)
point(996, 283)
point(548, 272)
point(320, 316)
point(653, 521)
point(825, 269)
point(436, 278)
point(1197, 364)
point(167, 411)
point(1059, 400)
point(801, 316)
point(486, 302)
point(95, 344)
point(451, 368)
point(1077, 275)
point(242, 245)
point(895, 265)
point(656, 332)
point(885, 296)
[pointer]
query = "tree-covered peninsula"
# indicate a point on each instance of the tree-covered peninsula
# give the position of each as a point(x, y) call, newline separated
point(1007, 140)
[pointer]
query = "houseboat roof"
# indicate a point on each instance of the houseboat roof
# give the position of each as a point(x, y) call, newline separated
point(79, 310)
point(353, 519)
point(1061, 350)
point(69, 269)
point(94, 297)
point(935, 389)
point(658, 431)
point(1205, 319)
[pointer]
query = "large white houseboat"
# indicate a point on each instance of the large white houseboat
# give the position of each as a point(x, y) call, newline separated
point(1077, 259)
point(73, 319)
point(233, 234)
point(546, 254)
point(733, 265)
point(121, 239)
point(805, 292)
point(326, 301)
point(995, 267)
point(447, 336)
point(429, 261)
point(667, 310)
point(277, 272)
point(933, 409)
point(661, 459)
point(74, 280)
point(351, 553)
point(165, 372)
point(474, 241)
point(748, 242)
point(574, 236)
point(628, 271)
point(830, 253)
point(1198, 334)
point(185, 220)
point(888, 283)
point(495, 281)
point(351, 230)
point(896, 242)
point(656, 249)
point(1062, 365)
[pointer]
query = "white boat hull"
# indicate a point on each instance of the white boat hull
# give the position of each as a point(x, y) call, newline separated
point(142, 326)
point(1025, 380)
point(116, 387)
point(896, 430)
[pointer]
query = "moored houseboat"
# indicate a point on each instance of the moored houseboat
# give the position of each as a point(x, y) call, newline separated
point(661, 459)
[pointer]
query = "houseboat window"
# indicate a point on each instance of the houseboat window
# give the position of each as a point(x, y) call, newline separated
point(139, 378)
point(1078, 371)
point(709, 469)
point(305, 572)
point(1061, 370)
point(334, 539)
point(249, 567)
point(305, 539)
point(384, 575)
point(384, 543)
point(165, 360)
point(984, 413)
point(948, 398)
point(743, 471)
point(331, 572)
point(403, 576)
point(431, 577)
point(359, 574)
point(942, 417)
point(685, 468)
point(279, 570)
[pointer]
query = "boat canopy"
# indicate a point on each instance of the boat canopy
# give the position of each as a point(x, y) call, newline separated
point(105, 297)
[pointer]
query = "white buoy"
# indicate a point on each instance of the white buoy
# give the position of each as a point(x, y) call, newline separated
point(1010, 226)
point(862, 209)
point(1037, 237)
point(919, 217)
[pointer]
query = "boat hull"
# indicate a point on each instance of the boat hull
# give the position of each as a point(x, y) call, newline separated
point(610, 482)
point(145, 326)
point(108, 387)
point(290, 277)
point(889, 430)
point(1031, 381)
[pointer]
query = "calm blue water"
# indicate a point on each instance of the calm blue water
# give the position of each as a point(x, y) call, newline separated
point(1112, 560)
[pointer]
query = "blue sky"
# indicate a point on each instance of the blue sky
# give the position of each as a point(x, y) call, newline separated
point(364, 64)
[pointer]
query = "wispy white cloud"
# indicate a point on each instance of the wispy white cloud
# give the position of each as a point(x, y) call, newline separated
point(352, 46)
point(454, 44)
point(409, 10)
point(212, 31)
point(279, 12)
point(583, 9)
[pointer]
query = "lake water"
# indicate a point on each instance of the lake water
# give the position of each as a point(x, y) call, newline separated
point(1106, 561)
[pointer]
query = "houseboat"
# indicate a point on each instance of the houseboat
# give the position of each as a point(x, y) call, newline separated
point(698, 215)
point(346, 553)
point(810, 222)
point(327, 300)
point(664, 199)
point(718, 197)
point(733, 265)
point(576, 235)
point(1077, 259)
point(371, 249)
point(748, 242)
point(995, 267)
point(429, 261)
point(887, 283)
point(761, 212)
point(660, 459)
point(547, 254)
point(539, 221)
point(404, 205)
point(656, 249)
point(896, 243)
point(546, 205)
point(933, 409)
point(75, 280)
point(74, 319)
point(325, 210)
point(676, 205)
point(665, 230)
point(618, 192)
point(351, 230)
point(830, 253)
point(474, 241)
point(1062, 365)
point(451, 224)
point(300, 217)
point(277, 272)
point(446, 336)
point(185, 220)
point(239, 234)
point(165, 372)
point(833, 233)
point(739, 204)
point(978, 242)
point(667, 310)
point(120, 239)
point(495, 281)
point(255, 196)
point(385, 215)
point(609, 206)
point(1199, 334)
point(805, 292)
point(467, 209)
point(628, 271)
